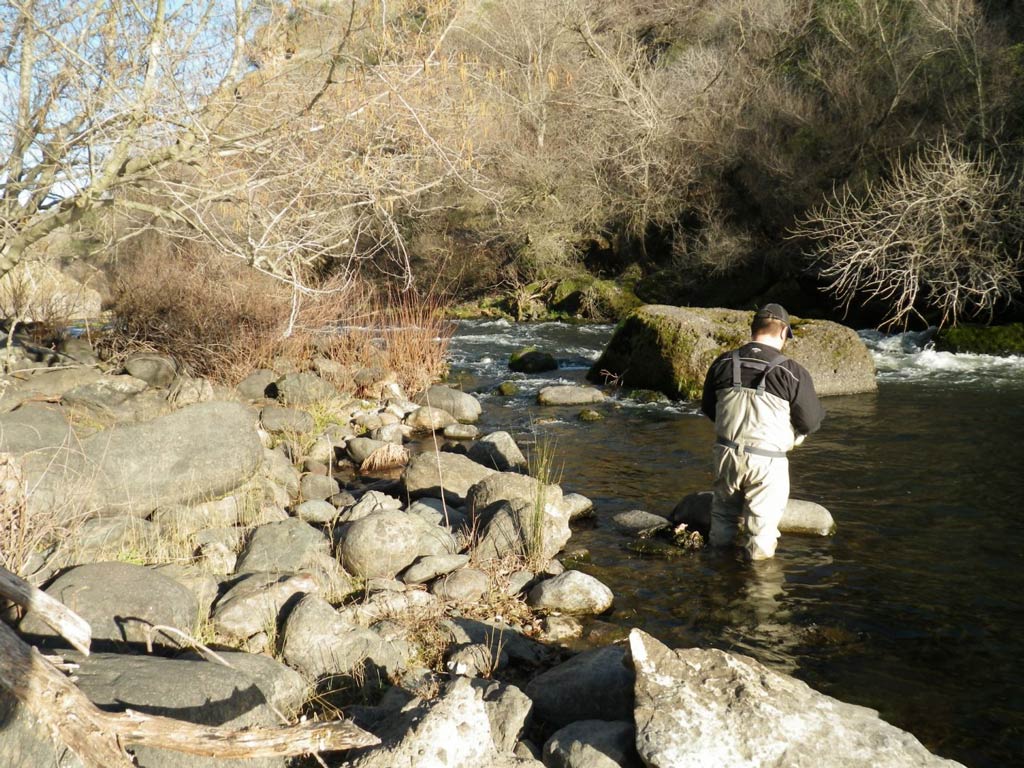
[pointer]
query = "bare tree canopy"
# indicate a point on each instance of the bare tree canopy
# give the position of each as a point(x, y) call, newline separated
point(944, 232)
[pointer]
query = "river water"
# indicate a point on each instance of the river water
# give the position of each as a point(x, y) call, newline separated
point(915, 607)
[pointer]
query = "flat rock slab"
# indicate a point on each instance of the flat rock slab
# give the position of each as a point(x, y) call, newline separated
point(120, 600)
point(442, 475)
point(669, 349)
point(698, 707)
point(567, 394)
point(48, 383)
point(638, 522)
point(34, 426)
point(201, 452)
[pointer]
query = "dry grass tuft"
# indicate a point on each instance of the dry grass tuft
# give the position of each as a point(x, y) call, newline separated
point(386, 457)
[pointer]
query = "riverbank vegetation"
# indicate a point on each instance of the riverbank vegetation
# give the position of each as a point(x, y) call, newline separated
point(690, 152)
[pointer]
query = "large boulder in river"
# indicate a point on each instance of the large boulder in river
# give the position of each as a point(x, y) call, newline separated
point(697, 707)
point(198, 453)
point(669, 349)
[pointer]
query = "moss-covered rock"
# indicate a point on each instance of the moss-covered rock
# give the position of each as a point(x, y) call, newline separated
point(531, 360)
point(982, 340)
point(589, 298)
point(508, 389)
point(669, 349)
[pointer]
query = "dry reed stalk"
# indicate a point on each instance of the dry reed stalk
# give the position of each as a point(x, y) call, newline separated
point(386, 457)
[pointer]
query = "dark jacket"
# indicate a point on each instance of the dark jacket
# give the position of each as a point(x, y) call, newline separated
point(789, 380)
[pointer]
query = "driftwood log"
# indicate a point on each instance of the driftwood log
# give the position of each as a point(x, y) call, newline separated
point(99, 738)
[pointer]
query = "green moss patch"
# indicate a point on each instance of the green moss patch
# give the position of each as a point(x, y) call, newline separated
point(982, 340)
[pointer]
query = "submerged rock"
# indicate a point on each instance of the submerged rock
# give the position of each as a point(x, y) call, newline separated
point(800, 516)
point(669, 349)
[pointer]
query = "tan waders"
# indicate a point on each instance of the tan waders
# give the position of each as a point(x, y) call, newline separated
point(751, 469)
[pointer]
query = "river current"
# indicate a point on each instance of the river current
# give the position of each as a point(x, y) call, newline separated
point(915, 607)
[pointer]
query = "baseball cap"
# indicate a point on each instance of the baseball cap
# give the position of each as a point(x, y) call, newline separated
point(775, 312)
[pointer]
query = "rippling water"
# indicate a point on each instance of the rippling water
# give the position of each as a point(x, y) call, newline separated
point(914, 607)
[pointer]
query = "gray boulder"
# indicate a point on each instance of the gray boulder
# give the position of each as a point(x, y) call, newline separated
point(361, 448)
point(508, 710)
point(277, 419)
point(461, 431)
point(429, 419)
point(576, 505)
point(452, 731)
point(196, 691)
point(384, 543)
point(442, 475)
point(48, 383)
point(430, 567)
point(318, 487)
point(156, 370)
point(801, 517)
point(521, 529)
point(112, 399)
point(120, 601)
point(467, 585)
point(593, 685)
point(255, 385)
point(567, 394)
point(638, 522)
point(462, 406)
point(500, 451)
point(316, 511)
point(369, 502)
point(572, 592)
point(593, 744)
point(282, 547)
point(512, 486)
point(109, 538)
point(200, 452)
point(318, 641)
point(254, 602)
point(303, 389)
point(34, 426)
point(696, 707)
point(669, 349)
point(184, 520)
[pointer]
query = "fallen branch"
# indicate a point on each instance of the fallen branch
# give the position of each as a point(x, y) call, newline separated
point(98, 738)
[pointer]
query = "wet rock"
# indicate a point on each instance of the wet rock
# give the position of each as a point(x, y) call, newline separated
point(802, 517)
point(461, 432)
point(500, 451)
point(571, 592)
point(637, 522)
point(461, 405)
point(694, 705)
point(567, 394)
point(532, 360)
point(508, 389)
point(590, 415)
point(593, 744)
point(593, 685)
point(577, 505)
point(120, 601)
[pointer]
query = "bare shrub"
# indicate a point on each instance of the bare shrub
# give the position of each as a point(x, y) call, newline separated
point(944, 231)
point(220, 318)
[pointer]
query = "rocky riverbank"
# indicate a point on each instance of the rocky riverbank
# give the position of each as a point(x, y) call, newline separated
point(310, 541)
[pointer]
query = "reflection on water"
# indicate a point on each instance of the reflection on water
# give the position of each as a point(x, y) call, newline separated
point(914, 608)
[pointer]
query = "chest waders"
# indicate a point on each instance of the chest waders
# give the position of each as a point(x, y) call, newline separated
point(754, 433)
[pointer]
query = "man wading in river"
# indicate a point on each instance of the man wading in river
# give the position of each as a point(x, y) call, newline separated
point(763, 404)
